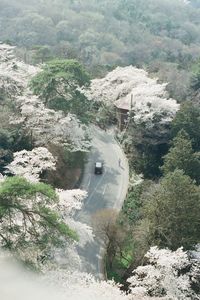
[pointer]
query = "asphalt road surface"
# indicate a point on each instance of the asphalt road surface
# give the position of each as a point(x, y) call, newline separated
point(107, 190)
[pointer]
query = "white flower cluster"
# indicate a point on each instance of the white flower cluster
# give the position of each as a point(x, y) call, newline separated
point(71, 200)
point(45, 125)
point(168, 274)
point(131, 89)
point(14, 75)
point(50, 126)
point(78, 285)
point(30, 164)
point(62, 284)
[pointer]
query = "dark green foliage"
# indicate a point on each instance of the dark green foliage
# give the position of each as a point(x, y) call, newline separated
point(131, 209)
point(6, 156)
point(188, 118)
point(145, 148)
point(75, 159)
point(27, 216)
point(12, 139)
point(15, 138)
point(59, 78)
point(181, 156)
point(195, 84)
point(149, 160)
point(129, 250)
point(172, 212)
point(78, 105)
point(120, 263)
point(57, 85)
point(195, 81)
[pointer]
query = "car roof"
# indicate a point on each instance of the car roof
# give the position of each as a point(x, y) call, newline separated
point(98, 164)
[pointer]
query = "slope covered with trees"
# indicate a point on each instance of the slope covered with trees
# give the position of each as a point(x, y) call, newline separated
point(44, 115)
point(162, 35)
point(36, 219)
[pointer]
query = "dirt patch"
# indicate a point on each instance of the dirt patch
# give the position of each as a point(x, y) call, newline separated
point(69, 168)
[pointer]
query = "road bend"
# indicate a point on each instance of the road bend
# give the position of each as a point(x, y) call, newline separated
point(107, 190)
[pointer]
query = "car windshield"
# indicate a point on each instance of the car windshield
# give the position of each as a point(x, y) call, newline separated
point(98, 164)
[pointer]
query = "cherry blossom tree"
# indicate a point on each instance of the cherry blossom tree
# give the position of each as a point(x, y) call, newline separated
point(30, 164)
point(131, 89)
point(14, 74)
point(59, 284)
point(44, 125)
point(167, 274)
point(49, 126)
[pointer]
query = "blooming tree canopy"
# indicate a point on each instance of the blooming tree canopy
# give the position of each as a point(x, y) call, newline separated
point(30, 164)
point(131, 89)
point(168, 274)
point(50, 126)
point(45, 125)
point(30, 221)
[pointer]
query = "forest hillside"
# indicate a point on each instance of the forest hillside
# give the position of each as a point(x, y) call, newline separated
point(129, 69)
point(161, 35)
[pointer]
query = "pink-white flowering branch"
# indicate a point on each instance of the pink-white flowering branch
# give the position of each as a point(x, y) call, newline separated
point(168, 274)
point(30, 164)
point(50, 126)
point(71, 200)
point(45, 125)
point(130, 88)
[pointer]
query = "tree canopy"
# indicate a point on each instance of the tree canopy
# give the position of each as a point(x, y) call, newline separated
point(29, 218)
point(181, 156)
point(188, 118)
point(156, 33)
point(58, 85)
point(171, 212)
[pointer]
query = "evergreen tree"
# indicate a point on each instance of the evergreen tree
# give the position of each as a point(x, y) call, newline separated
point(29, 216)
point(188, 118)
point(181, 156)
point(58, 85)
point(172, 212)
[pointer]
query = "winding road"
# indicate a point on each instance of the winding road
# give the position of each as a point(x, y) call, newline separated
point(104, 191)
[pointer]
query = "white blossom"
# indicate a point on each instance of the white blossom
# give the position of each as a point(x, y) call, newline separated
point(30, 164)
point(78, 285)
point(71, 200)
point(50, 126)
point(135, 179)
point(131, 89)
point(168, 275)
point(45, 125)
point(2, 177)
point(57, 283)
point(14, 74)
